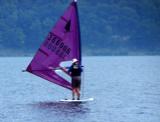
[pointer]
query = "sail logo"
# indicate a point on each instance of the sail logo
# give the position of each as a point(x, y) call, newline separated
point(56, 45)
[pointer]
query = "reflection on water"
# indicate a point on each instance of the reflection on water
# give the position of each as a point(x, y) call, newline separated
point(63, 107)
point(60, 111)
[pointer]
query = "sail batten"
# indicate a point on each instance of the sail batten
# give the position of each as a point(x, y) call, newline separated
point(62, 44)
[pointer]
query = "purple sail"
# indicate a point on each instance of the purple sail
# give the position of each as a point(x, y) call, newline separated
point(61, 44)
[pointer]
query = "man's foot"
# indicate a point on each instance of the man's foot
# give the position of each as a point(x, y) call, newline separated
point(73, 98)
point(78, 98)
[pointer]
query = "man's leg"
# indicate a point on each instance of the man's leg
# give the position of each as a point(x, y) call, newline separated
point(73, 94)
point(78, 93)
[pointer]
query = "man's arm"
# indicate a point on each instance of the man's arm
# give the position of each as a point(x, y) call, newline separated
point(65, 70)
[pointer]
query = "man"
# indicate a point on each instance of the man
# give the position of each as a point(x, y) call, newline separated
point(75, 73)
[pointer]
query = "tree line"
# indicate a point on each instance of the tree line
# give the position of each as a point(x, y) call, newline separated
point(110, 27)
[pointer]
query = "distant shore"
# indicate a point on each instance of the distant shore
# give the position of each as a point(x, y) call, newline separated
point(18, 53)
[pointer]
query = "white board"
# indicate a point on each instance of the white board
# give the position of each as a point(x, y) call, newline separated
point(81, 100)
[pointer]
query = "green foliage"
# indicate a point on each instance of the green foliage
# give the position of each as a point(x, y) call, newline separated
point(111, 27)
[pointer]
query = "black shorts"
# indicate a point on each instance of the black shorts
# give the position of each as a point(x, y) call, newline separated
point(76, 82)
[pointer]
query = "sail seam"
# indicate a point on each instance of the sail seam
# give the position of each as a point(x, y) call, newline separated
point(43, 52)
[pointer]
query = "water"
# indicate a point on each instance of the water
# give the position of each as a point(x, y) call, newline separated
point(125, 88)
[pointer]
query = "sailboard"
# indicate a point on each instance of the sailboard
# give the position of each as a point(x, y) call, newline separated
point(77, 101)
point(63, 43)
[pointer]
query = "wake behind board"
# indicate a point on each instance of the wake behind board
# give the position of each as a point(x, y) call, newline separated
point(77, 101)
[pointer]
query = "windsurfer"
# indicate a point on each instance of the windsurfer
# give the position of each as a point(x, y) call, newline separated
point(75, 73)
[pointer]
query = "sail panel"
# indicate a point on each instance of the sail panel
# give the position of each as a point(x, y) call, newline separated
point(61, 44)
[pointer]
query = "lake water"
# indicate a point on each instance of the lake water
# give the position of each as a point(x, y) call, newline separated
point(125, 89)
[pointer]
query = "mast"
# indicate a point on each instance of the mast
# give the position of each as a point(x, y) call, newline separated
point(79, 34)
